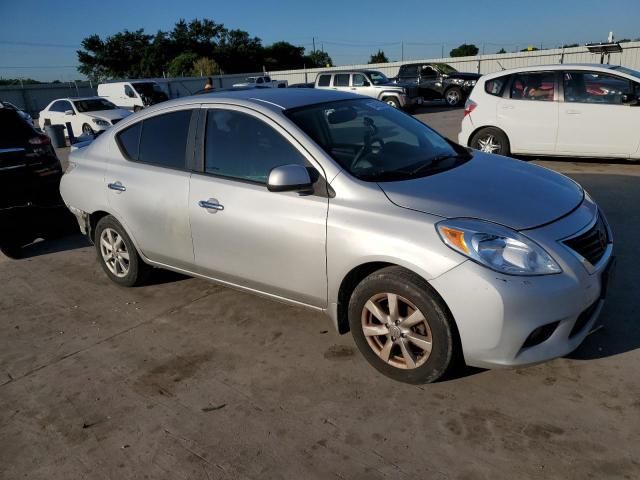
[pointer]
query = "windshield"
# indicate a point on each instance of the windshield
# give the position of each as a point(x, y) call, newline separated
point(628, 71)
point(93, 105)
point(445, 68)
point(147, 89)
point(375, 142)
point(378, 78)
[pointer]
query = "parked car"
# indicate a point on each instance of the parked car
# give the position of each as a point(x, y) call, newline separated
point(559, 110)
point(423, 249)
point(87, 115)
point(133, 95)
point(30, 203)
point(372, 84)
point(437, 81)
point(262, 81)
point(22, 113)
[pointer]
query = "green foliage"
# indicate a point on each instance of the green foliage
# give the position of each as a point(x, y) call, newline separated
point(530, 49)
point(379, 57)
point(318, 58)
point(205, 67)
point(464, 50)
point(136, 54)
point(502, 50)
point(182, 65)
point(18, 81)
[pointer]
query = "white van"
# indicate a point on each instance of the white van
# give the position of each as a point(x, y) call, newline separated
point(134, 95)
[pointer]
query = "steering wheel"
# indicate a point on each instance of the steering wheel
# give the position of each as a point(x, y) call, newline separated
point(365, 150)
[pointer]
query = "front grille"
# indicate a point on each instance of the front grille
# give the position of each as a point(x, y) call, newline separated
point(412, 92)
point(115, 120)
point(591, 244)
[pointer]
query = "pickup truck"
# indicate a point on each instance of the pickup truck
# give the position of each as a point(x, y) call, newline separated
point(262, 81)
point(438, 81)
point(372, 84)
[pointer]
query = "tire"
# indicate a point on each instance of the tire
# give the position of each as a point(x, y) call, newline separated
point(391, 101)
point(491, 140)
point(453, 96)
point(418, 304)
point(11, 249)
point(125, 272)
point(86, 129)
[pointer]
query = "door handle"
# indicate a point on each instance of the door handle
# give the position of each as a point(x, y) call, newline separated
point(508, 107)
point(117, 186)
point(210, 205)
point(573, 112)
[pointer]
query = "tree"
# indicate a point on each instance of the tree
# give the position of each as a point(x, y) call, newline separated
point(530, 49)
point(464, 50)
point(318, 58)
point(570, 45)
point(238, 52)
point(502, 50)
point(283, 56)
point(182, 65)
point(205, 67)
point(379, 57)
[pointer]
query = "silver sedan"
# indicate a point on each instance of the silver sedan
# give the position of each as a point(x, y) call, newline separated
point(426, 251)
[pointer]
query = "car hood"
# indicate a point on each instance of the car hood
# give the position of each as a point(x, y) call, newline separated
point(490, 187)
point(464, 75)
point(115, 114)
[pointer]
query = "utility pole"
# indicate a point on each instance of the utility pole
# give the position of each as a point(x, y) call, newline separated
point(442, 51)
point(402, 43)
point(314, 43)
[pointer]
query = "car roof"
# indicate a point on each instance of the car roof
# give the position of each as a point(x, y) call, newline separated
point(554, 67)
point(274, 98)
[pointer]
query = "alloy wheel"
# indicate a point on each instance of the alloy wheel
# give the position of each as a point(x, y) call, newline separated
point(396, 330)
point(87, 129)
point(453, 97)
point(488, 144)
point(114, 252)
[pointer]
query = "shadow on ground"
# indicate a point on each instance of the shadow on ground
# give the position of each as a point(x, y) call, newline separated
point(616, 194)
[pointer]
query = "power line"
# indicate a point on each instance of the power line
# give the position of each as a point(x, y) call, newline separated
point(36, 44)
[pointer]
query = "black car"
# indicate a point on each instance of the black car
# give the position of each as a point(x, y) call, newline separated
point(30, 172)
point(438, 81)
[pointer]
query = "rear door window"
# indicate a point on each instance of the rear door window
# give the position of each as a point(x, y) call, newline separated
point(160, 140)
point(534, 86)
point(341, 80)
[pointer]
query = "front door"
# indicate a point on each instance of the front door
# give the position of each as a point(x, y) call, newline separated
point(271, 242)
point(528, 112)
point(148, 186)
point(593, 119)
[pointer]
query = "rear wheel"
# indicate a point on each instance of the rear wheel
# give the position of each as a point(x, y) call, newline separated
point(391, 101)
point(453, 96)
point(117, 254)
point(401, 327)
point(491, 140)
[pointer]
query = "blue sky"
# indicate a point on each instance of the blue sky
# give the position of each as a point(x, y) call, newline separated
point(348, 31)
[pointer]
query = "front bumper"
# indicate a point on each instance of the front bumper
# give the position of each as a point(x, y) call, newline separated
point(497, 315)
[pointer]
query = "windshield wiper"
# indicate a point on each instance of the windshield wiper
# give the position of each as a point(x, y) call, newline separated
point(433, 162)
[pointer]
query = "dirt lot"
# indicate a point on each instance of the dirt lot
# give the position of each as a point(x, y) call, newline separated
point(184, 379)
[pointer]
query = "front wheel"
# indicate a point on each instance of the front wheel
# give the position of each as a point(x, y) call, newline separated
point(117, 254)
point(453, 96)
point(86, 129)
point(392, 102)
point(491, 140)
point(401, 327)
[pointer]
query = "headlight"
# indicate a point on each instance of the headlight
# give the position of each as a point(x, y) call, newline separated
point(496, 247)
point(470, 83)
point(100, 122)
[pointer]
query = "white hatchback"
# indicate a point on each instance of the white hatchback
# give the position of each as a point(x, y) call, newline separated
point(559, 110)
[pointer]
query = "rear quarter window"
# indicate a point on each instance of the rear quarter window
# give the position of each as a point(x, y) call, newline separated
point(495, 86)
point(324, 80)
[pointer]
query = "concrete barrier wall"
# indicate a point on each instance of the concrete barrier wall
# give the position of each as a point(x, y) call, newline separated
point(34, 98)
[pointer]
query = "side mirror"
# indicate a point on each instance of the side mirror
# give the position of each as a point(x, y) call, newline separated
point(630, 99)
point(69, 112)
point(288, 178)
point(366, 84)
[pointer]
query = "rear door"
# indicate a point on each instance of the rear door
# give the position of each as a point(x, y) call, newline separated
point(341, 82)
point(148, 185)
point(272, 242)
point(593, 119)
point(528, 112)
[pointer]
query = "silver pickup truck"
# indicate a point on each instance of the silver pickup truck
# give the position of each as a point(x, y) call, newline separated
point(372, 84)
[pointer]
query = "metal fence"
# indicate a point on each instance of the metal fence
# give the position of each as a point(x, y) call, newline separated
point(34, 98)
